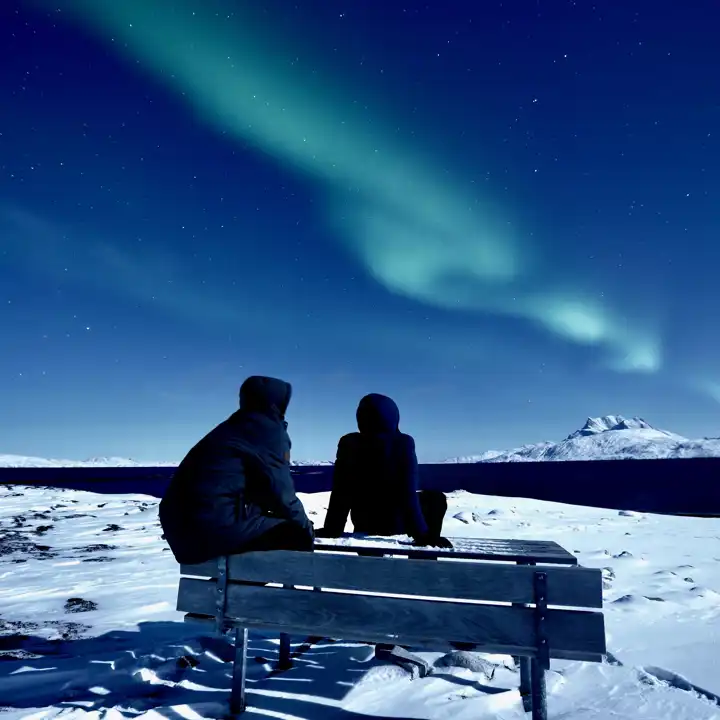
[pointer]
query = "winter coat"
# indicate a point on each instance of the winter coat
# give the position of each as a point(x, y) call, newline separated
point(235, 484)
point(375, 478)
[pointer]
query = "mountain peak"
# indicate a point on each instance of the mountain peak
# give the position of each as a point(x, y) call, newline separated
point(606, 423)
point(608, 437)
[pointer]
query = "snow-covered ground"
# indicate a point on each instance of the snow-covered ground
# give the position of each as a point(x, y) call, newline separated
point(88, 627)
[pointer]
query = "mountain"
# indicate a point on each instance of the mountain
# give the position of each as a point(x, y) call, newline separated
point(611, 437)
point(20, 461)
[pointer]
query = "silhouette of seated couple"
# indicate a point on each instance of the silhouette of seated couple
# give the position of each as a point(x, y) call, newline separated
point(233, 492)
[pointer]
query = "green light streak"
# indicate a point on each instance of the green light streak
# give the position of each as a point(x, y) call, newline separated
point(415, 229)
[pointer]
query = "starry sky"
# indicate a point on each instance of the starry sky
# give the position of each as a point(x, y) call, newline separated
point(504, 215)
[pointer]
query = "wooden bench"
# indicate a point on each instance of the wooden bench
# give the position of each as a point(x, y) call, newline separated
point(472, 602)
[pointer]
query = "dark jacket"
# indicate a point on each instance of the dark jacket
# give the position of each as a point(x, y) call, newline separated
point(235, 484)
point(375, 478)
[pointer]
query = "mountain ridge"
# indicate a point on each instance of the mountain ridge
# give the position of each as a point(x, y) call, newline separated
point(607, 437)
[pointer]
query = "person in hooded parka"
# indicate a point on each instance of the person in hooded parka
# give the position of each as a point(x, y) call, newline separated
point(233, 491)
point(375, 481)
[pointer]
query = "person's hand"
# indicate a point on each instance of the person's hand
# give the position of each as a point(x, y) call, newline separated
point(325, 533)
point(429, 541)
point(443, 542)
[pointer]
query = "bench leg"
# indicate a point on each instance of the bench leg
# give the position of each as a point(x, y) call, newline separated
point(538, 690)
point(284, 661)
point(525, 690)
point(525, 670)
point(237, 694)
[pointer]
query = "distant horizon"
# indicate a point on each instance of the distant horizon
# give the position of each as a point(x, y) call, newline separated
point(158, 461)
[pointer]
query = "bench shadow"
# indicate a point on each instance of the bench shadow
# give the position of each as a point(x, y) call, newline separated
point(168, 667)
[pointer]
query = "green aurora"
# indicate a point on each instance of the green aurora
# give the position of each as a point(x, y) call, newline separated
point(412, 228)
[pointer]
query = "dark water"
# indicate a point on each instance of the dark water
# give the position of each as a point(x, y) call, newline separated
point(678, 487)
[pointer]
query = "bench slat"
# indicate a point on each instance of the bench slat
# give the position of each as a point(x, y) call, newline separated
point(504, 629)
point(492, 582)
point(527, 551)
point(434, 645)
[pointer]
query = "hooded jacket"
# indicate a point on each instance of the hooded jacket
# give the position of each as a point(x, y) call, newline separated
point(235, 484)
point(375, 478)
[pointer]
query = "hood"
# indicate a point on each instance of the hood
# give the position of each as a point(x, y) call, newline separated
point(265, 395)
point(378, 415)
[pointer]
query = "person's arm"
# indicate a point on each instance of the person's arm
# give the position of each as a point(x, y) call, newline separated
point(282, 487)
point(340, 498)
point(414, 520)
point(274, 465)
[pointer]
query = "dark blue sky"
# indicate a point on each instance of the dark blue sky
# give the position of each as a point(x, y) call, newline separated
point(503, 214)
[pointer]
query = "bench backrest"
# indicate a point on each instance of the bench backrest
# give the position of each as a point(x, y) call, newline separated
point(442, 602)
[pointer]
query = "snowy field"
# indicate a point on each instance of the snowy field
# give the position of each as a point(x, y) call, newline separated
point(88, 627)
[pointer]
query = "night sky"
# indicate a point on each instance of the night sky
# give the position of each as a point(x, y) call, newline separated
point(505, 215)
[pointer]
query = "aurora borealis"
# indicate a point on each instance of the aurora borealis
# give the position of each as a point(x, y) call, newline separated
point(527, 225)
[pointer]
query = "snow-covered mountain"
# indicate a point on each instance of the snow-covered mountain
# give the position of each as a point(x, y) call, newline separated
point(19, 461)
point(611, 437)
point(22, 461)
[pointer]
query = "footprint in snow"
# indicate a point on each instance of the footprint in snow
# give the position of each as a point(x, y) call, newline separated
point(99, 547)
point(99, 558)
point(467, 517)
point(625, 600)
point(600, 553)
point(703, 592)
point(635, 600)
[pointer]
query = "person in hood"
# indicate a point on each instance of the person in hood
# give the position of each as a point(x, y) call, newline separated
point(233, 491)
point(375, 481)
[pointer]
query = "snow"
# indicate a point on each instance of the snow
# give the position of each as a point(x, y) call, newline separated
point(611, 437)
point(88, 627)
point(20, 461)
